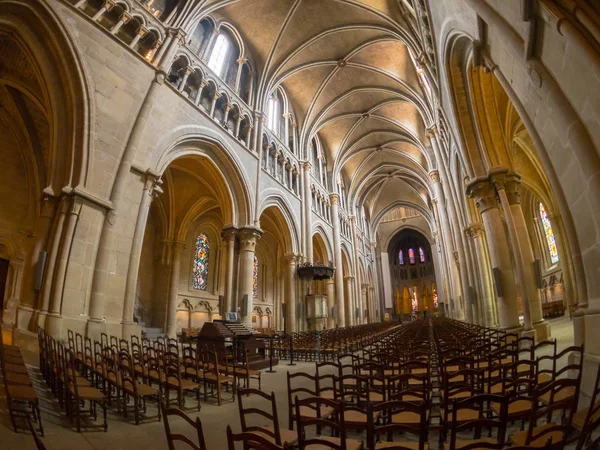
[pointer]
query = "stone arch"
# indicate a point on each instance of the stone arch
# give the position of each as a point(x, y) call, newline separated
point(274, 200)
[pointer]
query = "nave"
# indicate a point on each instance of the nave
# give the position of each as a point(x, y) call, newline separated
point(416, 363)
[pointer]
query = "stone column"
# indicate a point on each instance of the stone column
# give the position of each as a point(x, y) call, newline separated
point(351, 311)
point(330, 302)
point(529, 286)
point(54, 318)
point(141, 32)
point(238, 123)
point(290, 293)
point(357, 293)
point(498, 177)
point(238, 76)
point(249, 237)
point(482, 190)
point(487, 301)
point(213, 104)
point(364, 302)
point(152, 187)
point(106, 6)
point(201, 87)
point(453, 275)
point(249, 136)
point(287, 116)
point(337, 253)
point(125, 18)
point(372, 306)
point(229, 233)
point(308, 212)
point(51, 261)
point(184, 79)
point(174, 289)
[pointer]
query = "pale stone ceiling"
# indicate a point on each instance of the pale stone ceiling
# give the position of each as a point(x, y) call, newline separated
point(346, 68)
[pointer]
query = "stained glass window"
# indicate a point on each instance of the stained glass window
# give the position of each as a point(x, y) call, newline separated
point(421, 255)
point(415, 301)
point(549, 234)
point(255, 278)
point(401, 258)
point(200, 267)
point(411, 256)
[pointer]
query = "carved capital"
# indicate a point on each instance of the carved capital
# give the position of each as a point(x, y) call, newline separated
point(335, 198)
point(498, 176)
point(229, 232)
point(435, 176)
point(482, 190)
point(249, 237)
point(511, 184)
point(307, 166)
point(291, 258)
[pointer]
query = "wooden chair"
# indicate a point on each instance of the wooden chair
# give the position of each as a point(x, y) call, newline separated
point(328, 383)
point(241, 368)
point(293, 391)
point(77, 395)
point(214, 377)
point(133, 388)
point(476, 407)
point(334, 421)
point(251, 441)
point(587, 420)
point(38, 441)
point(271, 432)
point(172, 437)
point(396, 416)
point(175, 382)
point(537, 435)
point(573, 370)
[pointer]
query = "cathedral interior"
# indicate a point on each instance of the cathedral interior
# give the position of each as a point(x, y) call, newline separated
point(195, 191)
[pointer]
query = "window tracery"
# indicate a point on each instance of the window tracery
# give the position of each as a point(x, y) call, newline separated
point(255, 278)
point(411, 256)
point(200, 265)
point(547, 225)
point(219, 54)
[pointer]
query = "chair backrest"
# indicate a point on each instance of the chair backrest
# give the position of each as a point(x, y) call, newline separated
point(414, 421)
point(271, 415)
point(592, 418)
point(251, 441)
point(328, 382)
point(335, 422)
point(477, 407)
point(172, 437)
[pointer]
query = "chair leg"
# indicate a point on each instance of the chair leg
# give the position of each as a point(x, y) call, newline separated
point(219, 393)
point(39, 418)
point(136, 411)
point(77, 416)
point(105, 422)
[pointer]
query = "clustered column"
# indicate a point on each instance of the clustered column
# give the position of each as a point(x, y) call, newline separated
point(290, 293)
point(229, 234)
point(249, 237)
point(337, 249)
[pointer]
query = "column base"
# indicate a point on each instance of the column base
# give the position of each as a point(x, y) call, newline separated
point(129, 329)
point(95, 328)
point(530, 333)
point(24, 317)
point(41, 319)
point(54, 325)
point(172, 332)
point(542, 329)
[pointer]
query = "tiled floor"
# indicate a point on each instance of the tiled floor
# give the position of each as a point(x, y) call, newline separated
point(126, 435)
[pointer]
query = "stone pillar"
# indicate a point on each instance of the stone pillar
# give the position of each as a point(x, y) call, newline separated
point(174, 289)
point(249, 136)
point(356, 293)
point(487, 296)
point(308, 212)
point(238, 76)
point(238, 123)
point(290, 293)
point(453, 275)
point(106, 6)
point(125, 18)
point(364, 302)
point(257, 138)
point(213, 104)
point(498, 177)
point(151, 187)
point(57, 232)
point(184, 79)
point(330, 302)
point(201, 87)
point(229, 233)
point(294, 137)
point(141, 32)
point(482, 190)
point(337, 253)
point(54, 318)
point(351, 311)
point(529, 286)
point(287, 116)
point(249, 237)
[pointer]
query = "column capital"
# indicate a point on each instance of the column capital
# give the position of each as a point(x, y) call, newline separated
point(286, 115)
point(348, 278)
point(431, 131)
point(511, 184)
point(435, 176)
point(229, 232)
point(250, 232)
point(240, 61)
point(477, 229)
point(306, 165)
point(365, 286)
point(483, 191)
point(335, 198)
point(142, 31)
point(291, 257)
point(498, 175)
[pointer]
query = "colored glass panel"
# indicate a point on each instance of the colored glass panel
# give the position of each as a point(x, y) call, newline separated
point(200, 267)
point(549, 234)
point(411, 256)
point(401, 258)
point(421, 255)
point(255, 278)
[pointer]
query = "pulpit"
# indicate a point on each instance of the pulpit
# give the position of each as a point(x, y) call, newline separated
point(316, 312)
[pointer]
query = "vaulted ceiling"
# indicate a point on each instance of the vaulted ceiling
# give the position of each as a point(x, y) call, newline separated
point(348, 68)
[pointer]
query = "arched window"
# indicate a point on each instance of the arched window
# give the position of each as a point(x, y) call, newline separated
point(401, 258)
point(421, 255)
point(415, 300)
point(219, 54)
point(255, 278)
point(200, 267)
point(411, 255)
point(273, 114)
point(549, 234)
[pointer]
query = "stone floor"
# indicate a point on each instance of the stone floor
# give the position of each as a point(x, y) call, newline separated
point(60, 434)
